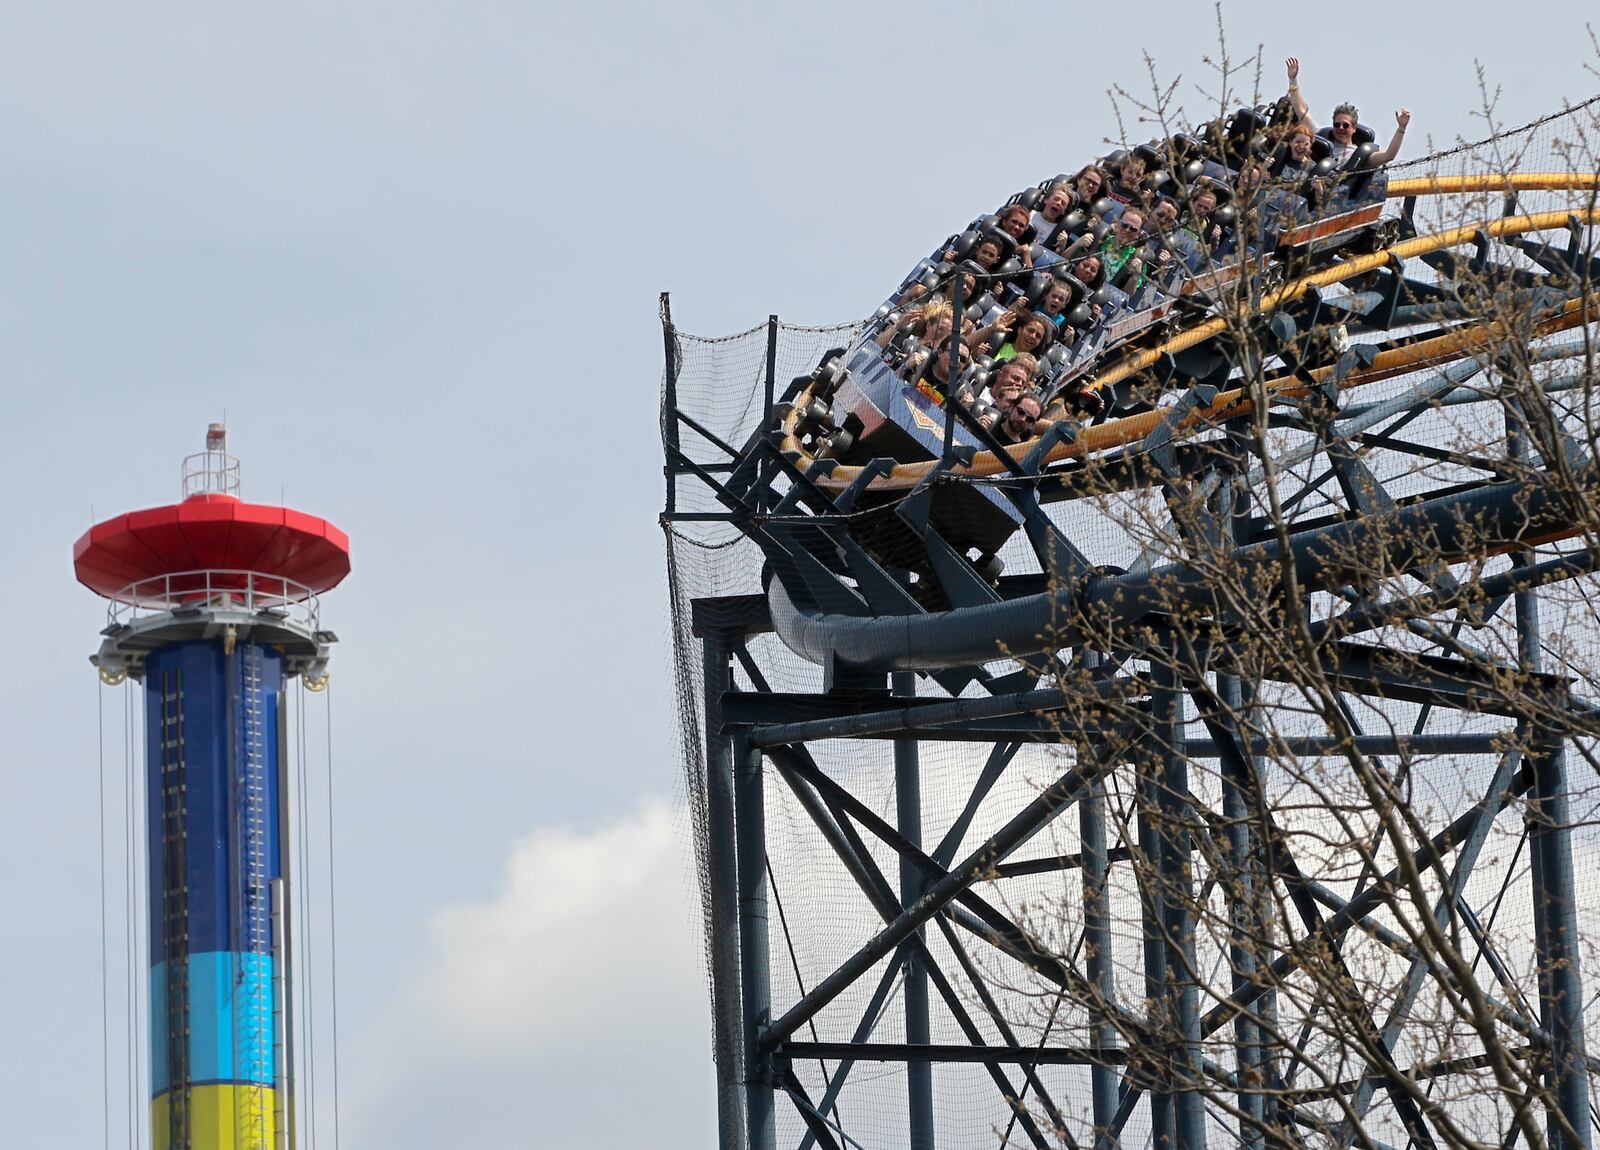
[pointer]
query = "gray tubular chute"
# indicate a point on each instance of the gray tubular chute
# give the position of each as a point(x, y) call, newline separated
point(1482, 521)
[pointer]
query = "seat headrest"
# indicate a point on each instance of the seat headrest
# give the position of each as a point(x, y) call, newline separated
point(1075, 221)
point(1183, 148)
point(1246, 122)
point(1362, 134)
point(1281, 111)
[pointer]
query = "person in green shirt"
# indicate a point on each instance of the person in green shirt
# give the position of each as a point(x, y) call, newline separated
point(1033, 335)
point(1120, 250)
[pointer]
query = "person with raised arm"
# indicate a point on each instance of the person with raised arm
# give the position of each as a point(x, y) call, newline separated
point(1033, 334)
point(1346, 119)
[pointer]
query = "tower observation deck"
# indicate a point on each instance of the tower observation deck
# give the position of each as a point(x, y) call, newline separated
point(213, 605)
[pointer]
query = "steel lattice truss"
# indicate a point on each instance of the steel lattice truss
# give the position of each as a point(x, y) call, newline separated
point(1317, 730)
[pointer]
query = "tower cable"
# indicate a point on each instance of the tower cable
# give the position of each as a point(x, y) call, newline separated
point(105, 980)
point(302, 837)
point(333, 921)
point(140, 1010)
point(130, 905)
point(142, 1053)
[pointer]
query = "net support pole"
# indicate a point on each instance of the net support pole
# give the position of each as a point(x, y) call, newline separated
point(755, 973)
point(764, 493)
point(669, 401)
point(722, 874)
point(1177, 897)
point(908, 819)
point(770, 380)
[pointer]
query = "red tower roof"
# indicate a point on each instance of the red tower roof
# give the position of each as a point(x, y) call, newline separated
point(211, 532)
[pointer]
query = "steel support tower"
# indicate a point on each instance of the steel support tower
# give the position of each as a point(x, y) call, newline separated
point(213, 609)
point(1400, 566)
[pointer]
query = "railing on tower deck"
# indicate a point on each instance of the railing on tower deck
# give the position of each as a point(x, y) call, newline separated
point(291, 602)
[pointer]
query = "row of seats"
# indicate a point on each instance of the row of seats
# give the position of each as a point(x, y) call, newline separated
point(1090, 254)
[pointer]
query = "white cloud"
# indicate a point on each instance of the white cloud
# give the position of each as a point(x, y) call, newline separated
point(577, 983)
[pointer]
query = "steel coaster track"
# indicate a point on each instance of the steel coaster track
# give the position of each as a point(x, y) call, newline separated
point(1204, 415)
point(1118, 433)
point(1018, 624)
point(970, 633)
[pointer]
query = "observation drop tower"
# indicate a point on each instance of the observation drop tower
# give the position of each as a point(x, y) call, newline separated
point(214, 608)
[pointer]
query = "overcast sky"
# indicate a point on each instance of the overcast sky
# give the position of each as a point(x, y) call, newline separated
point(413, 252)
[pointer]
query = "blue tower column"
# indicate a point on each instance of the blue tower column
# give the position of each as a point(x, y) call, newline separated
point(214, 851)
